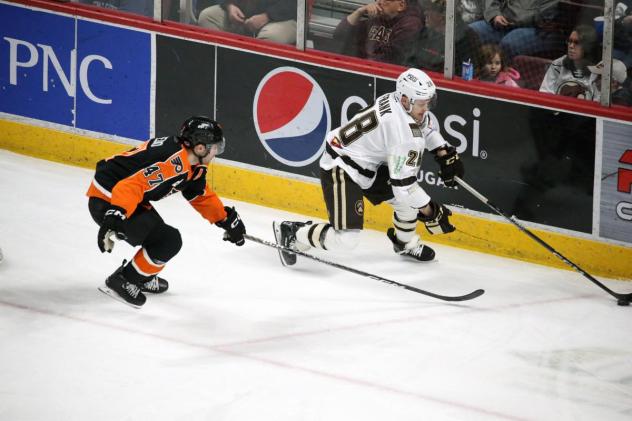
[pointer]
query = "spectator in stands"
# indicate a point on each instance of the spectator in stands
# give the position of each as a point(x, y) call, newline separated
point(527, 27)
point(380, 31)
point(470, 10)
point(428, 52)
point(619, 94)
point(493, 67)
point(270, 20)
point(200, 5)
point(569, 74)
point(623, 96)
point(623, 32)
point(140, 7)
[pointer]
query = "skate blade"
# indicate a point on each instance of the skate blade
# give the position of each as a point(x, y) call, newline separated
point(286, 258)
point(110, 293)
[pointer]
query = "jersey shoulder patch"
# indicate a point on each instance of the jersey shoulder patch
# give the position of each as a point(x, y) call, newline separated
point(416, 130)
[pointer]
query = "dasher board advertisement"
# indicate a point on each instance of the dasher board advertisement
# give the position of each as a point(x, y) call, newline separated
point(185, 78)
point(279, 111)
point(75, 72)
point(533, 163)
point(616, 185)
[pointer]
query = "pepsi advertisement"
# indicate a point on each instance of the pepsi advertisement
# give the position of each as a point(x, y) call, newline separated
point(75, 73)
point(277, 117)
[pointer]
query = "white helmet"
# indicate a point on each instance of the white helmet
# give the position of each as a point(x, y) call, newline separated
point(416, 85)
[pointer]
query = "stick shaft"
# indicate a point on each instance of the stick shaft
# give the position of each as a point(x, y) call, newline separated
point(540, 241)
point(465, 297)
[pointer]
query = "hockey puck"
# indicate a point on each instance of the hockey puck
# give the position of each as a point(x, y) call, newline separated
point(623, 302)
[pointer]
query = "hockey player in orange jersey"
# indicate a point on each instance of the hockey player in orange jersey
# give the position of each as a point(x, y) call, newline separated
point(125, 184)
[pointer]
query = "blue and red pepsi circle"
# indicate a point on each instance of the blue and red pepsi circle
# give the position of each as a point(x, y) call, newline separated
point(291, 116)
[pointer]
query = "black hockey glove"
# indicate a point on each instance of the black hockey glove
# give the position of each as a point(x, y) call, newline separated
point(234, 227)
point(450, 166)
point(438, 222)
point(113, 225)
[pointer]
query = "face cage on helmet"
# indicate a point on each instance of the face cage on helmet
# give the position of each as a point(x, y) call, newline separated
point(221, 145)
point(431, 104)
point(208, 140)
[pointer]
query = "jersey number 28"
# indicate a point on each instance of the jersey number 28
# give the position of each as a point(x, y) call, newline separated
point(357, 127)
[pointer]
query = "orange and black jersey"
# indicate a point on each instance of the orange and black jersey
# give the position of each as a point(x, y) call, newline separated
point(152, 171)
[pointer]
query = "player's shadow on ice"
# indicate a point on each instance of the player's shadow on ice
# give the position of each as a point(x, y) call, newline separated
point(58, 298)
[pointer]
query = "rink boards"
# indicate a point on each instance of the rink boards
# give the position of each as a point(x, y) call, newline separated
point(88, 89)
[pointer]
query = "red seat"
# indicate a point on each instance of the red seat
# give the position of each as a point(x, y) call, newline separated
point(532, 70)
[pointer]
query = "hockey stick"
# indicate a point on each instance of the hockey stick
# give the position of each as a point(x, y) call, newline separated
point(622, 299)
point(465, 297)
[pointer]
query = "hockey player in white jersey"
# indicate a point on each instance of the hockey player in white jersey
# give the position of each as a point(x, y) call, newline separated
point(377, 155)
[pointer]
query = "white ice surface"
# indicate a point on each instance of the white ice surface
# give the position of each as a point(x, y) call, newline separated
point(239, 337)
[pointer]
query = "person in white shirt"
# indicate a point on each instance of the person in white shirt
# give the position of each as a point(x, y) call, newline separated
point(569, 74)
point(377, 155)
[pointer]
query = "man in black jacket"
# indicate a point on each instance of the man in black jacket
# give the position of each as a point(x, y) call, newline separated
point(271, 20)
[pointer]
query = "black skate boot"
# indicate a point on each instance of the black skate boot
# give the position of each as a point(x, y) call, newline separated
point(285, 234)
point(121, 289)
point(414, 249)
point(155, 285)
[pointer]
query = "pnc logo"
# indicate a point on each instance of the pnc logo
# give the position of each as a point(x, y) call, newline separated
point(291, 116)
point(21, 48)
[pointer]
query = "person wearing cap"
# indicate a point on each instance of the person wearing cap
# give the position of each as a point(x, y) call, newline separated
point(620, 95)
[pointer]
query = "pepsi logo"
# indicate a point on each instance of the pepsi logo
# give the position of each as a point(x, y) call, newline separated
point(291, 116)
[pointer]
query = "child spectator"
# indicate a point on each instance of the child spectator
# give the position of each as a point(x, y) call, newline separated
point(493, 67)
point(569, 74)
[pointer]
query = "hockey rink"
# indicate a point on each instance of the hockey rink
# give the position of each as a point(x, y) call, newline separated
point(239, 337)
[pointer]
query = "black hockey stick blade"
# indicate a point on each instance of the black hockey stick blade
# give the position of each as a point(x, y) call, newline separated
point(622, 299)
point(465, 297)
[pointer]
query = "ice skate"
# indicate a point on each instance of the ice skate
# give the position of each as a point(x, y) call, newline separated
point(155, 285)
point(414, 248)
point(285, 234)
point(119, 288)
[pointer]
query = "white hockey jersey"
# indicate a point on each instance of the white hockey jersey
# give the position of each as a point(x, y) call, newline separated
point(562, 81)
point(384, 134)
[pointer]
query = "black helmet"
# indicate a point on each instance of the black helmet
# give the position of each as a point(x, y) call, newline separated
point(200, 129)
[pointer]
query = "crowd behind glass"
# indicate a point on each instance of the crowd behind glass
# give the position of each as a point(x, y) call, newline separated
point(551, 46)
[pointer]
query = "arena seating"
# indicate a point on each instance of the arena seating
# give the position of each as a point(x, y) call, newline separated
point(325, 17)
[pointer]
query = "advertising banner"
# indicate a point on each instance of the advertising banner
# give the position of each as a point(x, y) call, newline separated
point(73, 72)
point(533, 163)
point(113, 80)
point(35, 49)
point(616, 182)
point(277, 117)
point(185, 78)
